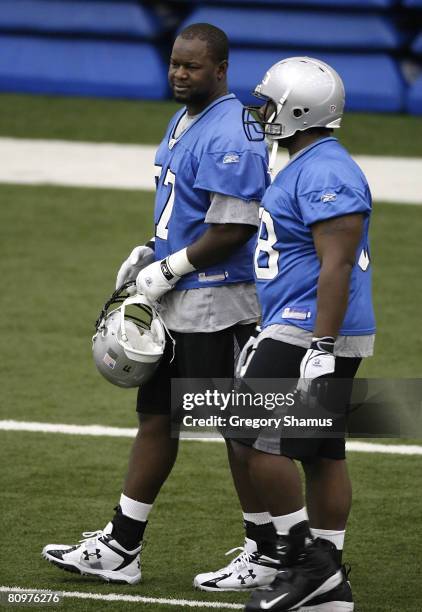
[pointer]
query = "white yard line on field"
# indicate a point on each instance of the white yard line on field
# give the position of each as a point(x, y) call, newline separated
point(190, 603)
point(125, 166)
point(122, 432)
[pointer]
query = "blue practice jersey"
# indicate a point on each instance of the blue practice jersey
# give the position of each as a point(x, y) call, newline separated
point(322, 182)
point(212, 155)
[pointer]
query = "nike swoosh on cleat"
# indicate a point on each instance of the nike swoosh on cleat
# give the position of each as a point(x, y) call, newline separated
point(267, 605)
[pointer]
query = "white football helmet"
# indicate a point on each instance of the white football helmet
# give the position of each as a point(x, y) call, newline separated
point(128, 347)
point(302, 92)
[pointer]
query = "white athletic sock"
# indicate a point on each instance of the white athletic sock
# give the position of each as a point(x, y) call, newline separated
point(138, 511)
point(257, 518)
point(284, 523)
point(336, 537)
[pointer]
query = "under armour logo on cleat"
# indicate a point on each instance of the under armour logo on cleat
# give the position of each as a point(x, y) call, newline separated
point(97, 554)
point(250, 575)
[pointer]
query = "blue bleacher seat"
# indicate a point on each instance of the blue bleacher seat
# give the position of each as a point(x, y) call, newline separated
point(337, 4)
point(417, 45)
point(95, 17)
point(414, 98)
point(289, 28)
point(373, 82)
point(82, 67)
point(412, 3)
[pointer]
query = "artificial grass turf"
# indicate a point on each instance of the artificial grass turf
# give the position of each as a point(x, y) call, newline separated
point(67, 118)
point(63, 485)
point(61, 250)
point(396, 253)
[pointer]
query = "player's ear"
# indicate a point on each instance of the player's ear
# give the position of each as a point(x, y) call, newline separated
point(222, 70)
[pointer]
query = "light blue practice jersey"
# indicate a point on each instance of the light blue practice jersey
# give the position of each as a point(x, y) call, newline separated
point(320, 183)
point(212, 155)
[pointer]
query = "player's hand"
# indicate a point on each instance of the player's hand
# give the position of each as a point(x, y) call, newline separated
point(318, 361)
point(140, 257)
point(246, 354)
point(156, 279)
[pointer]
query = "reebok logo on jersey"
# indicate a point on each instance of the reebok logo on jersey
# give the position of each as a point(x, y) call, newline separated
point(328, 197)
point(231, 158)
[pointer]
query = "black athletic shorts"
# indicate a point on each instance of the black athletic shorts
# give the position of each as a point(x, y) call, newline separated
point(196, 355)
point(275, 359)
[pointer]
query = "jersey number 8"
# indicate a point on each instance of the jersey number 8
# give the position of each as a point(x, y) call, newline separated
point(266, 245)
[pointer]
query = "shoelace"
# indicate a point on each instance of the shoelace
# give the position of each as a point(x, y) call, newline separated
point(90, 535)
point(242, 560)
point(90, 538)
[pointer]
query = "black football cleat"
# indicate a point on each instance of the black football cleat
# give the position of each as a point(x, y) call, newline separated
point(339, 599)
point(314, 574)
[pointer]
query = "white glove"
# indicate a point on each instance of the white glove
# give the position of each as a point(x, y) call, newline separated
point(159, 277)
point(318, 361)
point(246, 354)
point(140, 257)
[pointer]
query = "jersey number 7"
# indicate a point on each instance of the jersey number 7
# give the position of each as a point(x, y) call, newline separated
point(163, 221)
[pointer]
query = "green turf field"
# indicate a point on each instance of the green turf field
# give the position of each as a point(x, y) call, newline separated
point(61, 248)
point(64, 484)
point(144, 122)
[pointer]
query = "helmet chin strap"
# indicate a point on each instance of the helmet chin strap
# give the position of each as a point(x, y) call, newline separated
point(273, 157)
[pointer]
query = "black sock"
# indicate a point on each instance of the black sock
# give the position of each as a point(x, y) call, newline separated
point(265, 537)
point(291, 546)
point(127, 531)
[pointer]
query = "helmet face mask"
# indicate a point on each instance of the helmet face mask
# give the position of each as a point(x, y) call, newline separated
point(129, 340)
point(257, 126)
point(303, 93)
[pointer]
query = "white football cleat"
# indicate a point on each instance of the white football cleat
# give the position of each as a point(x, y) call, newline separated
point(98, 554)
point(248, 570)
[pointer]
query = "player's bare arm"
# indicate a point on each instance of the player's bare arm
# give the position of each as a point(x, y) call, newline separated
point(336, 242)
point(218, 242)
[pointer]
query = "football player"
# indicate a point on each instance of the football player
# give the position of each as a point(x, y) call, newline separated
point(313, 277)
point(210, 181)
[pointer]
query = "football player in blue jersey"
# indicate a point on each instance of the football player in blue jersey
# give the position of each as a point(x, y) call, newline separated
point(210, 181)
point(313, 277)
